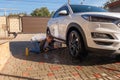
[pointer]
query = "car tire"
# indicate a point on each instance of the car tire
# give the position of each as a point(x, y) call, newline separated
point(117, 57)
point(76, 45)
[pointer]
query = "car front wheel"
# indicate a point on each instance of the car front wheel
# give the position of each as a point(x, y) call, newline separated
point(75, 44)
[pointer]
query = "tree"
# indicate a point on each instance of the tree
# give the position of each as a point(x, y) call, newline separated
point(41, 12)
point(17, 14)
point(108, 2)
point(112, 0)
point(52, 13)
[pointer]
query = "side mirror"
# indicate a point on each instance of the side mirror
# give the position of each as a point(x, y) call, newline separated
point(63, 12)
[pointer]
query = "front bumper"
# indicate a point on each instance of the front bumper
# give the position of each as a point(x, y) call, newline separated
point(107, 28)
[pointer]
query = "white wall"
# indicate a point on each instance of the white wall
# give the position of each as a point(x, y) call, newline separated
point(3, 31)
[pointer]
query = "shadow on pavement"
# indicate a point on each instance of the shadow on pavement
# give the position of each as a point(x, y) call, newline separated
point(58, 56)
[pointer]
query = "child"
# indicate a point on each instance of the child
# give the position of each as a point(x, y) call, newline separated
point(42, 43)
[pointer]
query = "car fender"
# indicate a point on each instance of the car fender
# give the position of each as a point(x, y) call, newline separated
point(79, 29)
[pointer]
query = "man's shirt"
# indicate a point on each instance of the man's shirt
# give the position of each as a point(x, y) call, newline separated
point(38, 37)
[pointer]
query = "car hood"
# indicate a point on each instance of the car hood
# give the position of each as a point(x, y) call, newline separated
point(110, 14)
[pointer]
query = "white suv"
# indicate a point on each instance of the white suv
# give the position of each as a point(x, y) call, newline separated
point(86, 28)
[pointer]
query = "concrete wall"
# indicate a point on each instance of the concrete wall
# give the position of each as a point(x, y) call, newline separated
point(4, 54)
point(27, 24)
point(9, 25)
point(3, 27)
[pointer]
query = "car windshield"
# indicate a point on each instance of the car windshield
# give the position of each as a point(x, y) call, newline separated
point(85, 8)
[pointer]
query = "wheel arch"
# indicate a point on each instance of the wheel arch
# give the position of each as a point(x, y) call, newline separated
point(77, 27)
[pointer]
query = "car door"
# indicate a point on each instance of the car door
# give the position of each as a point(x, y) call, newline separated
point(58, 23)
point(63, 21)
point(53, 24)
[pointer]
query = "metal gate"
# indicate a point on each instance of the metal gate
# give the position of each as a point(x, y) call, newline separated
point(34, 24)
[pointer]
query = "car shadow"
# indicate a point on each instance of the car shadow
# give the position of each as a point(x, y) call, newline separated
point(57, 56)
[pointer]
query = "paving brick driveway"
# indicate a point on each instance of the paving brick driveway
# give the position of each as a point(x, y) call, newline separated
point(57, 65)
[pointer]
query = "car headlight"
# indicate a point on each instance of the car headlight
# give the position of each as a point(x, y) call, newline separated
point(98, 18)
point(101, 35)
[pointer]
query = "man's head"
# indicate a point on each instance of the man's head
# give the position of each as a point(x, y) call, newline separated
point(49, 38)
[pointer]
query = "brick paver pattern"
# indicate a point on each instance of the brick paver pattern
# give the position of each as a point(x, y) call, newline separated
point(57, 65)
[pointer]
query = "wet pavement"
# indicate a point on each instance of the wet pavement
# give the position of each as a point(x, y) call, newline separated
point(57, 65)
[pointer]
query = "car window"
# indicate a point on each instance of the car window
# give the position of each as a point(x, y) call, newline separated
point(86, 8)
point(56, 14)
